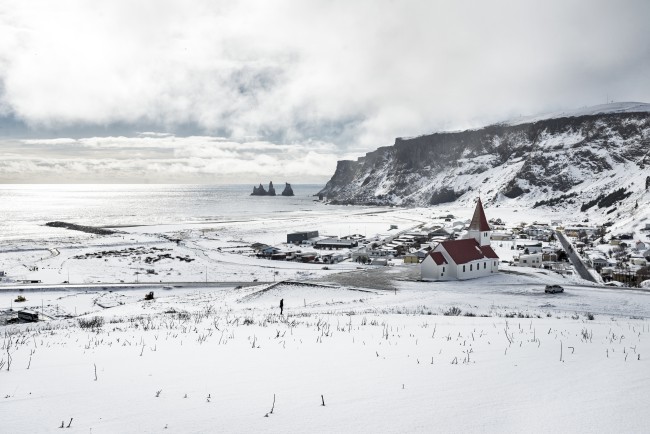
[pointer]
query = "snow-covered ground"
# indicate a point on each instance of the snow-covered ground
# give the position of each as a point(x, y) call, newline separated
point(220, 250)
point(383, 351)
point(214, 360)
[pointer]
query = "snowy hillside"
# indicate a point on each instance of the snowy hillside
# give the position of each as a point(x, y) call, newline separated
point(593, 159)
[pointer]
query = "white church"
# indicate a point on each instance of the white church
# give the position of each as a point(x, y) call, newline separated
point(463, 259)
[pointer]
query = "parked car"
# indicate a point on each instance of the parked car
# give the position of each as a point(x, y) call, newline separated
point(553, 289)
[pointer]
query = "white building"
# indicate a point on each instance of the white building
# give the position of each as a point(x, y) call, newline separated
point(468, 258)
point(533, 260)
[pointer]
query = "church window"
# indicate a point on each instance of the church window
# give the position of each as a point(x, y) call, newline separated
point(463, 268)
point(470, 267)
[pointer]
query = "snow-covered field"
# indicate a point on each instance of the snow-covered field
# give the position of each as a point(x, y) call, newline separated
point(215, 360)
point(489, 355)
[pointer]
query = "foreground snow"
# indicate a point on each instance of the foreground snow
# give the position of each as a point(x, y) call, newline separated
point(213, 360)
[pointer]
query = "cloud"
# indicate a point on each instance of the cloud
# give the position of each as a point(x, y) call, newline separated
point(312, 73)
point(164, 159)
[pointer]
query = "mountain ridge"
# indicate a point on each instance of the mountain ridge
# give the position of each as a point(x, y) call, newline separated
point(563, 161)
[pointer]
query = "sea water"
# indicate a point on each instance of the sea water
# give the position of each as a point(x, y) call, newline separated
point(24, 209)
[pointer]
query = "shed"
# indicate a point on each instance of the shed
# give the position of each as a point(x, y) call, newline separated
point(411, 258)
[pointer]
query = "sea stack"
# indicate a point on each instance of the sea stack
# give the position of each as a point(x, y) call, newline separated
point(259, 191)
point(288, 191)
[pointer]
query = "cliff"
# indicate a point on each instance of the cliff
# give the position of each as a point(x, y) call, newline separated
point(546, 161)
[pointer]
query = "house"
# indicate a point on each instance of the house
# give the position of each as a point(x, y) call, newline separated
point(298, 237)
point(549, 256)
point(596, 259)
point(335, 243)
point(421, 254)
point(365, 254)
point(530, 248)
point(268, 251)
point(333, 258)
point(501, 237)
point(599, 262)
point(638, 260)
point(306, 256)
point(312, 241)
point(533, 260)
point(462, 259)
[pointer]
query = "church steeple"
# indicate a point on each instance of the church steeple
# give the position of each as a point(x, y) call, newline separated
point(479, 229)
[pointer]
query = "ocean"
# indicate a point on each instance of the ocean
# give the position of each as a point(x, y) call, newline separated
point(25, 208)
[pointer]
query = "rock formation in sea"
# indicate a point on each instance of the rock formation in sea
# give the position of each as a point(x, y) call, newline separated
point(259, 191)
point(288, 191)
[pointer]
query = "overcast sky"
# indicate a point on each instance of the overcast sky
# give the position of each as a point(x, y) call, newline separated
point(246, 91)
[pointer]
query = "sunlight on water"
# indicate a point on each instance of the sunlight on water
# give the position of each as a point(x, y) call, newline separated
point(24, 209)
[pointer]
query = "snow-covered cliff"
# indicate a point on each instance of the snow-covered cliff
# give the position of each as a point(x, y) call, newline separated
point(563, 160)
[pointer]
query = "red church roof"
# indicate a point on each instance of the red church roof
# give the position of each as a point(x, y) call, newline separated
point(489, 252)
point(438, 258)
point(479, 222)
point(467, 250)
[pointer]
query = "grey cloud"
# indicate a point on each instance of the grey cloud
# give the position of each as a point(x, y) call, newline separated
point(319, 74)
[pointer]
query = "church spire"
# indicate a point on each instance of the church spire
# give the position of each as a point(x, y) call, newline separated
point(479, 222)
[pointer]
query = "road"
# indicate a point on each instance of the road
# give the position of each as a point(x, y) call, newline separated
point(575, 258)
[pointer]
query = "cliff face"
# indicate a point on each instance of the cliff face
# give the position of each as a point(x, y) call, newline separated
point(566, 161)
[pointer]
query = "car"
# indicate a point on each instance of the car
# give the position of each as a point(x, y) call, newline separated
point(553, 289)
